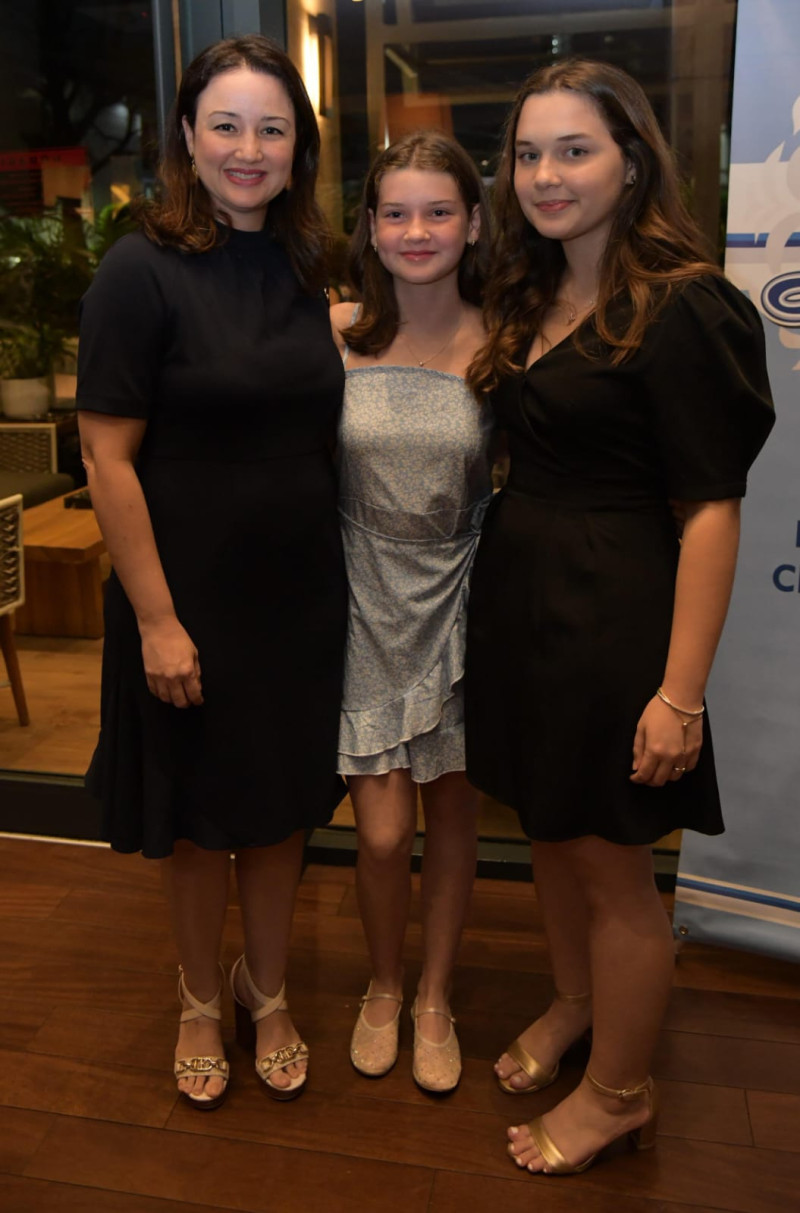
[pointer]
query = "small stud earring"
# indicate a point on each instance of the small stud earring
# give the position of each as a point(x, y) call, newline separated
point(632, 179)
point(472, 241)
point(374, 248)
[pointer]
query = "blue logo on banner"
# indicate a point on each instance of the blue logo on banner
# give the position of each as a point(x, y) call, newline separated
point(785, 577)
point(780, 299)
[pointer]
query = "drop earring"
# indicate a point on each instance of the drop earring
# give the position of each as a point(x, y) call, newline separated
point(194, 167)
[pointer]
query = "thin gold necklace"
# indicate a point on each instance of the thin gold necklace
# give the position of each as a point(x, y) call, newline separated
point(571, 310)
point(424, 361)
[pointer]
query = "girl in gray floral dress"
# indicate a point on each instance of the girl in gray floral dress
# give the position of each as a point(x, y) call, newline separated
point(414, 482)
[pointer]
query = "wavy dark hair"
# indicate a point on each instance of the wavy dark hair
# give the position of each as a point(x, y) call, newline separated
point(654, 243)
point(183, 215)
point(378, 319)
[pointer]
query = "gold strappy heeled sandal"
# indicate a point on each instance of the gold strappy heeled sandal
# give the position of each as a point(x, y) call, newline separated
point(203, 1067)
point(246, 1020)
point(540, 1077)
point(436, 1066)
point(643, 1138)
point(373, 1051)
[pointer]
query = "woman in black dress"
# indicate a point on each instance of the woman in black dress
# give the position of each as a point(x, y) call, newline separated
point(209, 391)
point(631, 379)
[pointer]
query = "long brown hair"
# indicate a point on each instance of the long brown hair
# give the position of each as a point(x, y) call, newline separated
point(183, 214)
point(378, 319)
point(654, 243)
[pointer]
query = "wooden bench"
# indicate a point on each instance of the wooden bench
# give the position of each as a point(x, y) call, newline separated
point(65, 566)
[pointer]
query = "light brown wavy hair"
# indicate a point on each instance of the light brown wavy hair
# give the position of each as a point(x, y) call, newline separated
point(654, 243)
point(182, 215)
point(434, 151)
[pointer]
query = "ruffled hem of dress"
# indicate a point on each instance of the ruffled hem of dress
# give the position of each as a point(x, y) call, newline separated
point(427, 757)
point(419, 710)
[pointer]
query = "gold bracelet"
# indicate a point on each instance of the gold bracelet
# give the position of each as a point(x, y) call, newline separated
point(683, 711)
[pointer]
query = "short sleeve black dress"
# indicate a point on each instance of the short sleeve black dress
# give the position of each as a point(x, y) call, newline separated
point(235, 370)
point(572, 592)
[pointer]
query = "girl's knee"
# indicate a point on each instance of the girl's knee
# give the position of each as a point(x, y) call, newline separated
point(386, 845)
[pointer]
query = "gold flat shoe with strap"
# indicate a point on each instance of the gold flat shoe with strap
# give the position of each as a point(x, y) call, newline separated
point(246, 1020)
point(437, 1065)
point(539, 1076)
point(203, 1067)
point(643, 1138)
point(373, 1051)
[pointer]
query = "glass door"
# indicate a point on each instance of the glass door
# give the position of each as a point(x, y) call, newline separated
point(78, 139)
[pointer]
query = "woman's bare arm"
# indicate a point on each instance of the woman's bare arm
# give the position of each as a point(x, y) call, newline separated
point(110, 445)
point(341, 316)
point(706, 570)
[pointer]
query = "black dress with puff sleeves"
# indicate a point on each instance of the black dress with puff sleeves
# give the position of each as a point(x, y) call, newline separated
point(573, 586)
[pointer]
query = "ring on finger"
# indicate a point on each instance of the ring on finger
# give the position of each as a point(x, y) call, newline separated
point(680, 770)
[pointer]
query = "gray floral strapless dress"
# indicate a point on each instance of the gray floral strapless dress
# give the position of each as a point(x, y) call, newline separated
point(414, 483)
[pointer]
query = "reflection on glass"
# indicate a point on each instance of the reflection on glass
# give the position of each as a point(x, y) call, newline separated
point(77, 141)
point(457, 64)
point(77, 98)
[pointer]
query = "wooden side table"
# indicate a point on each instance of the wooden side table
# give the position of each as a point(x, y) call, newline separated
point(65, 566)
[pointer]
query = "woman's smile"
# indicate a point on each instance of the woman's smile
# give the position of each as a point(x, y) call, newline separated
point(243, 176)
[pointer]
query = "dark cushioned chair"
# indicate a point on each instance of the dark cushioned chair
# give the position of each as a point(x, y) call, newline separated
point(28, 462)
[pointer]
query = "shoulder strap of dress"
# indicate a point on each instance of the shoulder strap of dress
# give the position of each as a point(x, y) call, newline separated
point(356, 310)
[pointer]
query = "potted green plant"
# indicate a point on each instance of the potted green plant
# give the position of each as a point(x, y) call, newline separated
point(26, 360)
point(45, 267)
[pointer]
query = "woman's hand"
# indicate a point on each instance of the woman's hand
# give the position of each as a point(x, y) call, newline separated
point(171, 664)
point(110, 445)
point(662, 748)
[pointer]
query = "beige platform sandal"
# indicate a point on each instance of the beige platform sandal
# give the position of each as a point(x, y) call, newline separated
point(540, 1077)
point(201, 1067)
point(643, 1138)
point(246, 1020)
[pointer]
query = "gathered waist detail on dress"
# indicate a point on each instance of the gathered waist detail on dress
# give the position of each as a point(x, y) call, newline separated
point(448, 523)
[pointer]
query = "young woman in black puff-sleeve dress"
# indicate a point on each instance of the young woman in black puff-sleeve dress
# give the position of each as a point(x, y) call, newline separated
point(209, 392)
point(631, 380)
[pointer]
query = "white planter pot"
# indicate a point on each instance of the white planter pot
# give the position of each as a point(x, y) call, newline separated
point(24, 397)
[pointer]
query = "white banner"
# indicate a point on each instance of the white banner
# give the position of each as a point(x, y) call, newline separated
point(743, 888)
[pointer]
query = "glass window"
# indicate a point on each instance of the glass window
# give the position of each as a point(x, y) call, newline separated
point(78, 104)
point(78, 138)
point(457, 64)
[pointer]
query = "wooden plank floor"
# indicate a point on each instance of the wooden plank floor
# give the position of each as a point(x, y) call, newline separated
point(89, 1119)
point(62, 685)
